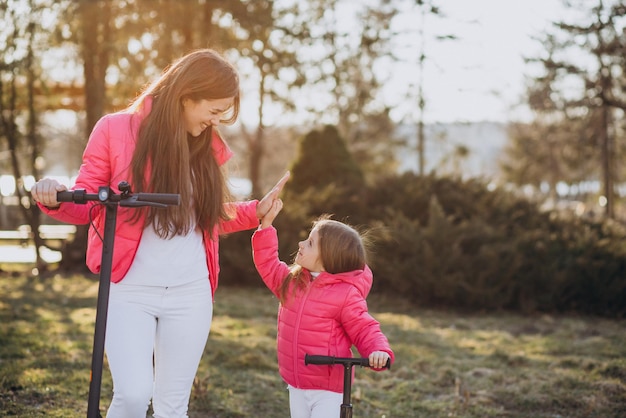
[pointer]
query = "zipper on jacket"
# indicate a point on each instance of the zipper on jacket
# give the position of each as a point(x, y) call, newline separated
point(296, 365)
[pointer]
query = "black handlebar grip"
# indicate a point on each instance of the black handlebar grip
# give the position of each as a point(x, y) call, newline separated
point(313, 359)
point(66, 196)
point(77, 196)
point(364, 362)
point(162, 198)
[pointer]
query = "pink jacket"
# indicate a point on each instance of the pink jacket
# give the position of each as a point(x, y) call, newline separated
point(326, 318)
point(106, 161)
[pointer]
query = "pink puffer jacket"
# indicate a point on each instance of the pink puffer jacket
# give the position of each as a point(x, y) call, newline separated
point(106, 161)
point(326, 318)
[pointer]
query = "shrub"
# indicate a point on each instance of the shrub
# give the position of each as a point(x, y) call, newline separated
point(447, 242)
point(473, 248)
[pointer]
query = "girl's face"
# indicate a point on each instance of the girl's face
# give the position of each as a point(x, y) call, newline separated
point(309, 253)
point(199, 115)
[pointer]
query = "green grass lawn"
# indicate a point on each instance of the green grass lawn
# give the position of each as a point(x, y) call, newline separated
point(513, 365)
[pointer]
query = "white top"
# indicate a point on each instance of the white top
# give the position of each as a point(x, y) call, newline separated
point(168, 262)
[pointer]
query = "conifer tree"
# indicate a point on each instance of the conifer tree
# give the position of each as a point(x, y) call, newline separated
point(324, 160)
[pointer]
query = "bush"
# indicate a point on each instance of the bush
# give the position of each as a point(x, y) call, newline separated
point(444, 242)
point(472, 248)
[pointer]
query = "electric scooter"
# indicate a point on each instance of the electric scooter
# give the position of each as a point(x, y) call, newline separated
point(347, 363)
point(111, 201)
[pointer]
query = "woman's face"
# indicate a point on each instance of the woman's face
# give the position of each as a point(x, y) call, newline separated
point(199, 115)
point(309, 253)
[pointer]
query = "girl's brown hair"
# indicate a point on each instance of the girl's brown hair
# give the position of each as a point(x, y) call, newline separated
point(172, 160)
point(341, 249)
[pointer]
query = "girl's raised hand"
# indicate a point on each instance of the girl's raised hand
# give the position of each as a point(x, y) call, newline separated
point(269, 217)
point(267, 202)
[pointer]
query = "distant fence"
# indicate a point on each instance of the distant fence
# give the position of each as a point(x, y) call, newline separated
point(23, 234)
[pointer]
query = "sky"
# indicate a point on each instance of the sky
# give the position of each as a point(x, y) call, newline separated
point(480, 76)
point(477, 77)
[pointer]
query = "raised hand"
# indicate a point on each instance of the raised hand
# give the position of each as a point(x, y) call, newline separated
point(267, 202)
point(269, 217)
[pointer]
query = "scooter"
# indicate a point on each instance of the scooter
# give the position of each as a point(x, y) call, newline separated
point(111, 201)
point(347, 363)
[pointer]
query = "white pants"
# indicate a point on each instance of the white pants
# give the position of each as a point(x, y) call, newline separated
point(309, 403)
point(154, 341)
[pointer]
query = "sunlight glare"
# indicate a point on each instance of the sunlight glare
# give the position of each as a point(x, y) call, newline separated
point(29, 182)
point(134, 46)
point(7, 185)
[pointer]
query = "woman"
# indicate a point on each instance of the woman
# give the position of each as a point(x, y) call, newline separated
point(160, 303)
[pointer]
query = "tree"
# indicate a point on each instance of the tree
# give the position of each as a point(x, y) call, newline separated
point(95, 51)
point(23, 37)
point(85, 25)
point(587, 91)
point(543, 154)
point(323, 159)
point(340, 47)
point(324, 176)
point(269, 44)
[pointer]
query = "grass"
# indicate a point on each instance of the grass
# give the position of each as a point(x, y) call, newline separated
point(513, 365)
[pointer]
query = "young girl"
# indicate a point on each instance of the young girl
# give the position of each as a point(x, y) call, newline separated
point(322, 310)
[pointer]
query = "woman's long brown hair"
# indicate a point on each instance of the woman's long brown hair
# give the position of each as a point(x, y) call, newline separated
point(341, 249)
point(168, 160)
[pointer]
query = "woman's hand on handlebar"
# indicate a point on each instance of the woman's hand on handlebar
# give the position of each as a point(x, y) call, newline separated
point(378, 359)
point(45, 192)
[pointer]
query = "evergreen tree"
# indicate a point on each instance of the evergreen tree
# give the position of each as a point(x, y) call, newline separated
point(324, 160)
point(325, 179)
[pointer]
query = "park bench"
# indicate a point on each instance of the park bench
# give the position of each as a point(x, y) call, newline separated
point(48, 233)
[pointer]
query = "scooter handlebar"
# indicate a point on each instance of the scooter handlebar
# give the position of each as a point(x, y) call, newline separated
point(161, 198)
point(346, 361)
point(137, 199)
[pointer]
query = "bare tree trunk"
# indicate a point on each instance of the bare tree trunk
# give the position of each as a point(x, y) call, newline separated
point(256, 145)
point(30, 213)
point(95, 16)
point(421, 101)
point(607, 155)
point(33, 214)
point(95, 50)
